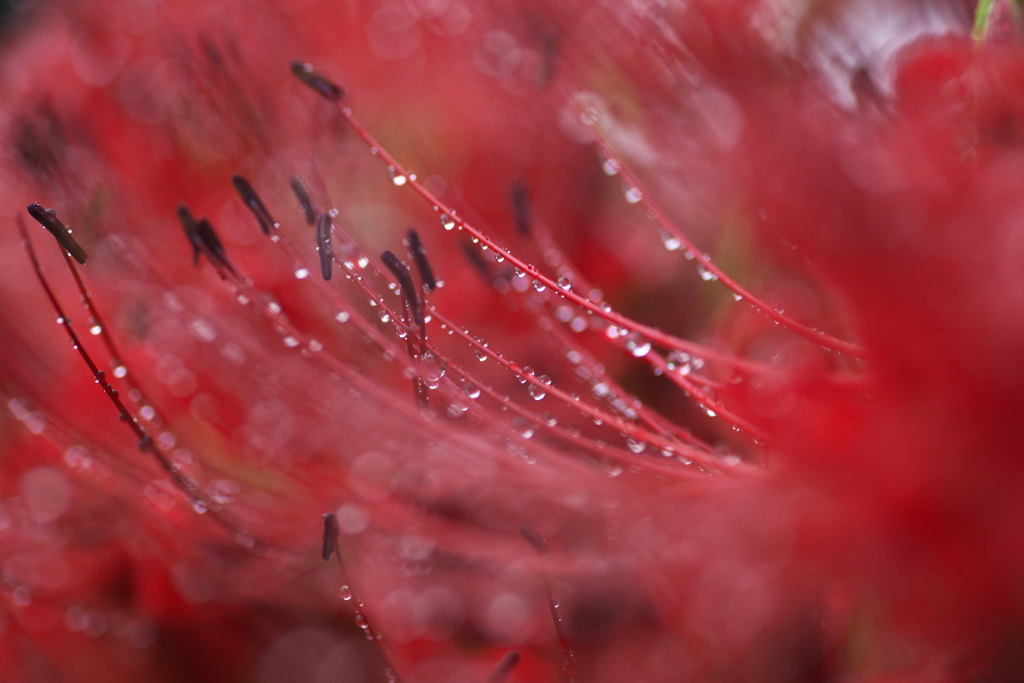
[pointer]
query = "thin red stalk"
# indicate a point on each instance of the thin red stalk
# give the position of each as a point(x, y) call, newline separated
point(364, 285)
point(651, 357)
point(592, 412)
point(348, 594)
point(540, 545)
point(702, 259)
point(652, 334)
point(146, 443)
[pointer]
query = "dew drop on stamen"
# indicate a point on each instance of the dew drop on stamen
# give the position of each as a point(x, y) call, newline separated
point(200, 507)
point(564, 283)
point(397, 178)
point(94, 327)
point(471, 390)
point(430, 370)
point(301, 273)
point(737, 297)
point(539, 286)
point(523, 428)
point(342, 316)
point(632, 194)
point(480, 355)
point(637, 345)
point(636, 446)
point(447, 222)
point(345, 593)
point(120, 371)
point(670, 242)
point(611, 167)
point(537, 393)
point(706, 274)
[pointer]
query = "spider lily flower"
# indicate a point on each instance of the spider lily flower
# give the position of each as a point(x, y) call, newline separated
point(583, 341)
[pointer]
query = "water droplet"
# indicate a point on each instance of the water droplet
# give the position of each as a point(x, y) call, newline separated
point(523, 428)
point(200, 507)
point(635, 445)
point(60, 320)
point(345, 593)
point(397, 178)
point(564, 283)
point(94, 327)
point(632, 194)
point(637, 345)
point(539, 286)
point(472, 391)
point(362, 261)
point(430, 370)
point(291, 342)
point(671, 242)
point(120, 371)
point(274, 307)
point(342, 316)
point(537, 393)
point(480, 355)
point(301, 273)
point(737, 297)
point(384, 317)
point(362, 622)
point(705, 274)
point(611, 166)
point(447, 222)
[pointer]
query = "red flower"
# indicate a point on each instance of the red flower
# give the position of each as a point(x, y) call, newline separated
point(733, 398)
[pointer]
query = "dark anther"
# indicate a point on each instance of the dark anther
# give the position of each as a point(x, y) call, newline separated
point(401, 273)
point(323, 244)
point(331, 531)
point(501, 671)
point(255, 204)
point(48, 219)
point(305, 203)
point(520, 207)
point(325, 88)
point(204, 240)
point(534, 539)
point(419, 257)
